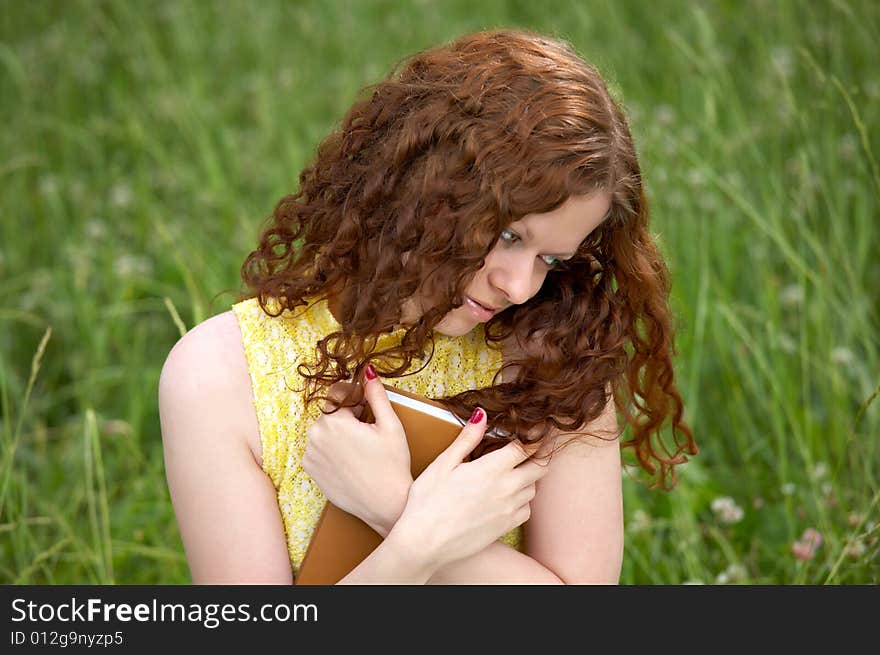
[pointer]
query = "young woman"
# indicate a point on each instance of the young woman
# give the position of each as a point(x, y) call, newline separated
point(475, 232)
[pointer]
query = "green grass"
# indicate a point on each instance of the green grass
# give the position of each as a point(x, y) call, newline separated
point(146, 142)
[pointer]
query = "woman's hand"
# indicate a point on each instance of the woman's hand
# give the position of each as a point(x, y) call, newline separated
point(362, 468)
point(456, 509)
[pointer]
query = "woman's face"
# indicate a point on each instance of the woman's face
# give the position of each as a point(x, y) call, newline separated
point(516, 266)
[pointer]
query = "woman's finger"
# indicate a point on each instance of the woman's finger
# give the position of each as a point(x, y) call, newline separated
point(468, 439)
point(376, 396)
point(531, 471)
point(509, 456)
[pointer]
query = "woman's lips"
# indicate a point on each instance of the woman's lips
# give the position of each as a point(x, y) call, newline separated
point(480, 312)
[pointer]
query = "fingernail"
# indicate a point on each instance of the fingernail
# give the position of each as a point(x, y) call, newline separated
point(370, 372)
point(477, 416)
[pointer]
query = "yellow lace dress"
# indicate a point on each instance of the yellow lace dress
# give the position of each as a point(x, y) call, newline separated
point(274, 346)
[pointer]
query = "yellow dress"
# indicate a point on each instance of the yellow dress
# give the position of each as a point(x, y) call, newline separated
point(274, 346)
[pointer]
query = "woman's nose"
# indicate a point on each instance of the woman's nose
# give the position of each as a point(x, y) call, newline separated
point(516, 279)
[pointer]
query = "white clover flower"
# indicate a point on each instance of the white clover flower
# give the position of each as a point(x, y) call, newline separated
point(735, 572)
point(733, 515)
point(792, 295)
point(718, 504)
point(726, 509)
point(855, 549)
point(48, 185)
point(820, 470)
point(96, 229)
point(787, 344)
point(788, 489)
point(841, 356)
point(129, 265)
point(854, 518)
point(121, 195)
point(696, 177)
point(709, 202)
point(640, 521)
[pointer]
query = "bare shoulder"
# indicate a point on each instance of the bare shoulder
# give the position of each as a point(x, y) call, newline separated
point(226, 506)
point(210, 358)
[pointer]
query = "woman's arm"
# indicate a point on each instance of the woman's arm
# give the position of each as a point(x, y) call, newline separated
point(576, 513)
point(575, 531)
point(226, 508)
point(225, 505)
point(576, 527)
point(452, 511)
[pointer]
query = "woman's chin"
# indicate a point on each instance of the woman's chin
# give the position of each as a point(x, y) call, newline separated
point(457, 323)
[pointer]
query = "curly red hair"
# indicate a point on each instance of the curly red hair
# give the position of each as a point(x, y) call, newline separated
point(433, 162)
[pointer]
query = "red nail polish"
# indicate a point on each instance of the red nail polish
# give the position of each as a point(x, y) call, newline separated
point(370, 372)
point(477, 416)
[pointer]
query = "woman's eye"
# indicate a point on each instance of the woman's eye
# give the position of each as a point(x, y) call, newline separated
point(554, 262)
point(510, 238)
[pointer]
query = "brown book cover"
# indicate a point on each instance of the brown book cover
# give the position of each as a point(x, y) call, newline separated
point(341, 541)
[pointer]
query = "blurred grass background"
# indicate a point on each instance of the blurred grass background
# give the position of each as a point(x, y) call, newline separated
point(144, 143)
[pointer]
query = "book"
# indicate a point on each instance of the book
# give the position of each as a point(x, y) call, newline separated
point(341, 541)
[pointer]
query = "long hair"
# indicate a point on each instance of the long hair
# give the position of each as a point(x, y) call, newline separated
point(415, 186)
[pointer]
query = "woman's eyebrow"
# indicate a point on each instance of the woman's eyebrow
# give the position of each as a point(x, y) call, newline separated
point(528, 232)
